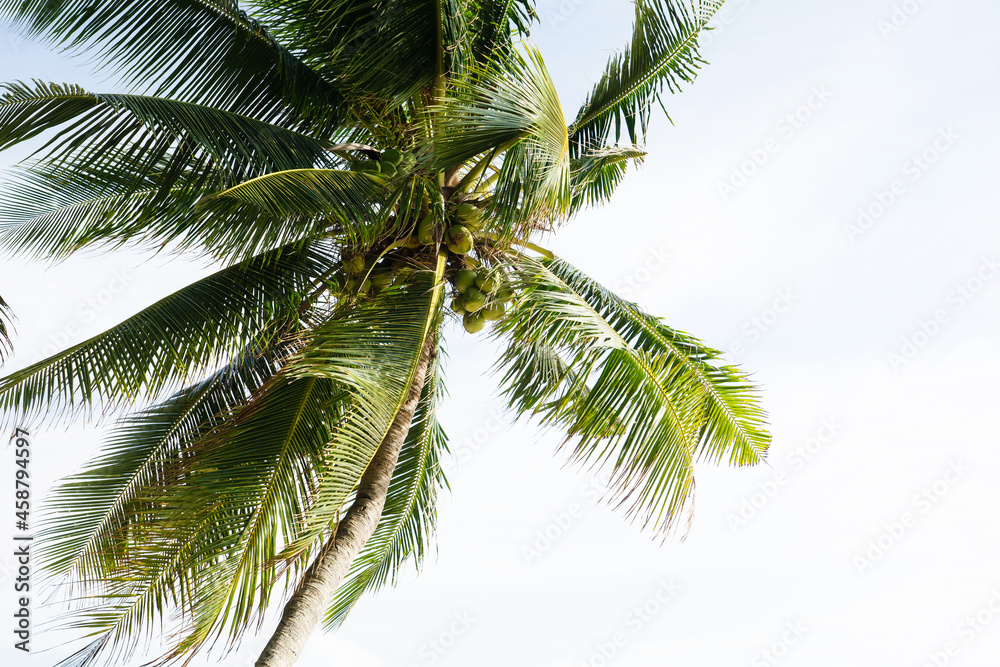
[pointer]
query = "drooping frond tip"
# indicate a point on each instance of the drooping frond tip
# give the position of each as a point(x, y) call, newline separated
point(630, 393)
point(662, 55)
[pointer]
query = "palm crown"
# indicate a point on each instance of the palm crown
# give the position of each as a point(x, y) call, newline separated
point(351, 166)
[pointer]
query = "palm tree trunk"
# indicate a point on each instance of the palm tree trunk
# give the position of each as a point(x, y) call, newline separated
point(316, 591)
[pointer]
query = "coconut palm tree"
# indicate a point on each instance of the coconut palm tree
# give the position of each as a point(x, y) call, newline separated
point(349, 167)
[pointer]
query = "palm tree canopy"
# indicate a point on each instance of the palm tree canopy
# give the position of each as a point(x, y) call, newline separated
point(348, 165)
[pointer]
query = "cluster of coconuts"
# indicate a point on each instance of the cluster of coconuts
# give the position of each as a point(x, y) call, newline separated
point(482, 297)
point(460, 235)
point(390, 162)
point(389, 269)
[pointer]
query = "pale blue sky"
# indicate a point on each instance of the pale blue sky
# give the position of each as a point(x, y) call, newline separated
point(771, 271)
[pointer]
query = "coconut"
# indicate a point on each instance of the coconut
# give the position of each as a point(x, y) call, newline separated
point(474, 299)
point(387, 168)
point(505, 294)
point(371, 165)
point(459, 239)
point(494, 311)
point(392, 156)
point(464, 279)
point(407, 162)
point(426, 230)
point(458, 305)
point(354, 263)
point(467, 210)
point(474, 322)
point(486, 283)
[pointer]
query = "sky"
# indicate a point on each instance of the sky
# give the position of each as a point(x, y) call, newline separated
point(822, 209)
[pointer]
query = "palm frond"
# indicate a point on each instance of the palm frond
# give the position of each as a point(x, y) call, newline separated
point(205, 50)
point(513, 110)
point(263, 462)
point(52, 213)
point(344, 202)
point(498, 23)
point(663, 54)
point(375, 349)
point(6, 330)
point(385, 50)
point(87, 517)
point(409, 517)
point(596, 175)
point(631, 393)
point(106, 127)
point(171, 341)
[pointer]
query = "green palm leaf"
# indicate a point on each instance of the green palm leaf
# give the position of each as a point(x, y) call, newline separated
point(409, 516)
point(173, 340)
point(388, 50)
point(145, 128)
point(6, 329)
point(205, 50)
point(596, 175)
point(630, 391)
point(376, 350)
point(515, 111)
point(663, 54)
point(318, 199)
point(500, 21)
point(88, 515)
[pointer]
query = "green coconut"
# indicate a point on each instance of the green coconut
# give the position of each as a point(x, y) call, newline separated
point(458, 305)
point(392, 156)
point(485, 282)
point(494, 311)
point(505, 294)
point(474, 322)
point(425, 231)
point(467, 210)
point(371, 166)
point(474, 299)
point(464, 279)
point(354, 264)
point(459, 239)
point(407, 162)
point(387, 168)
